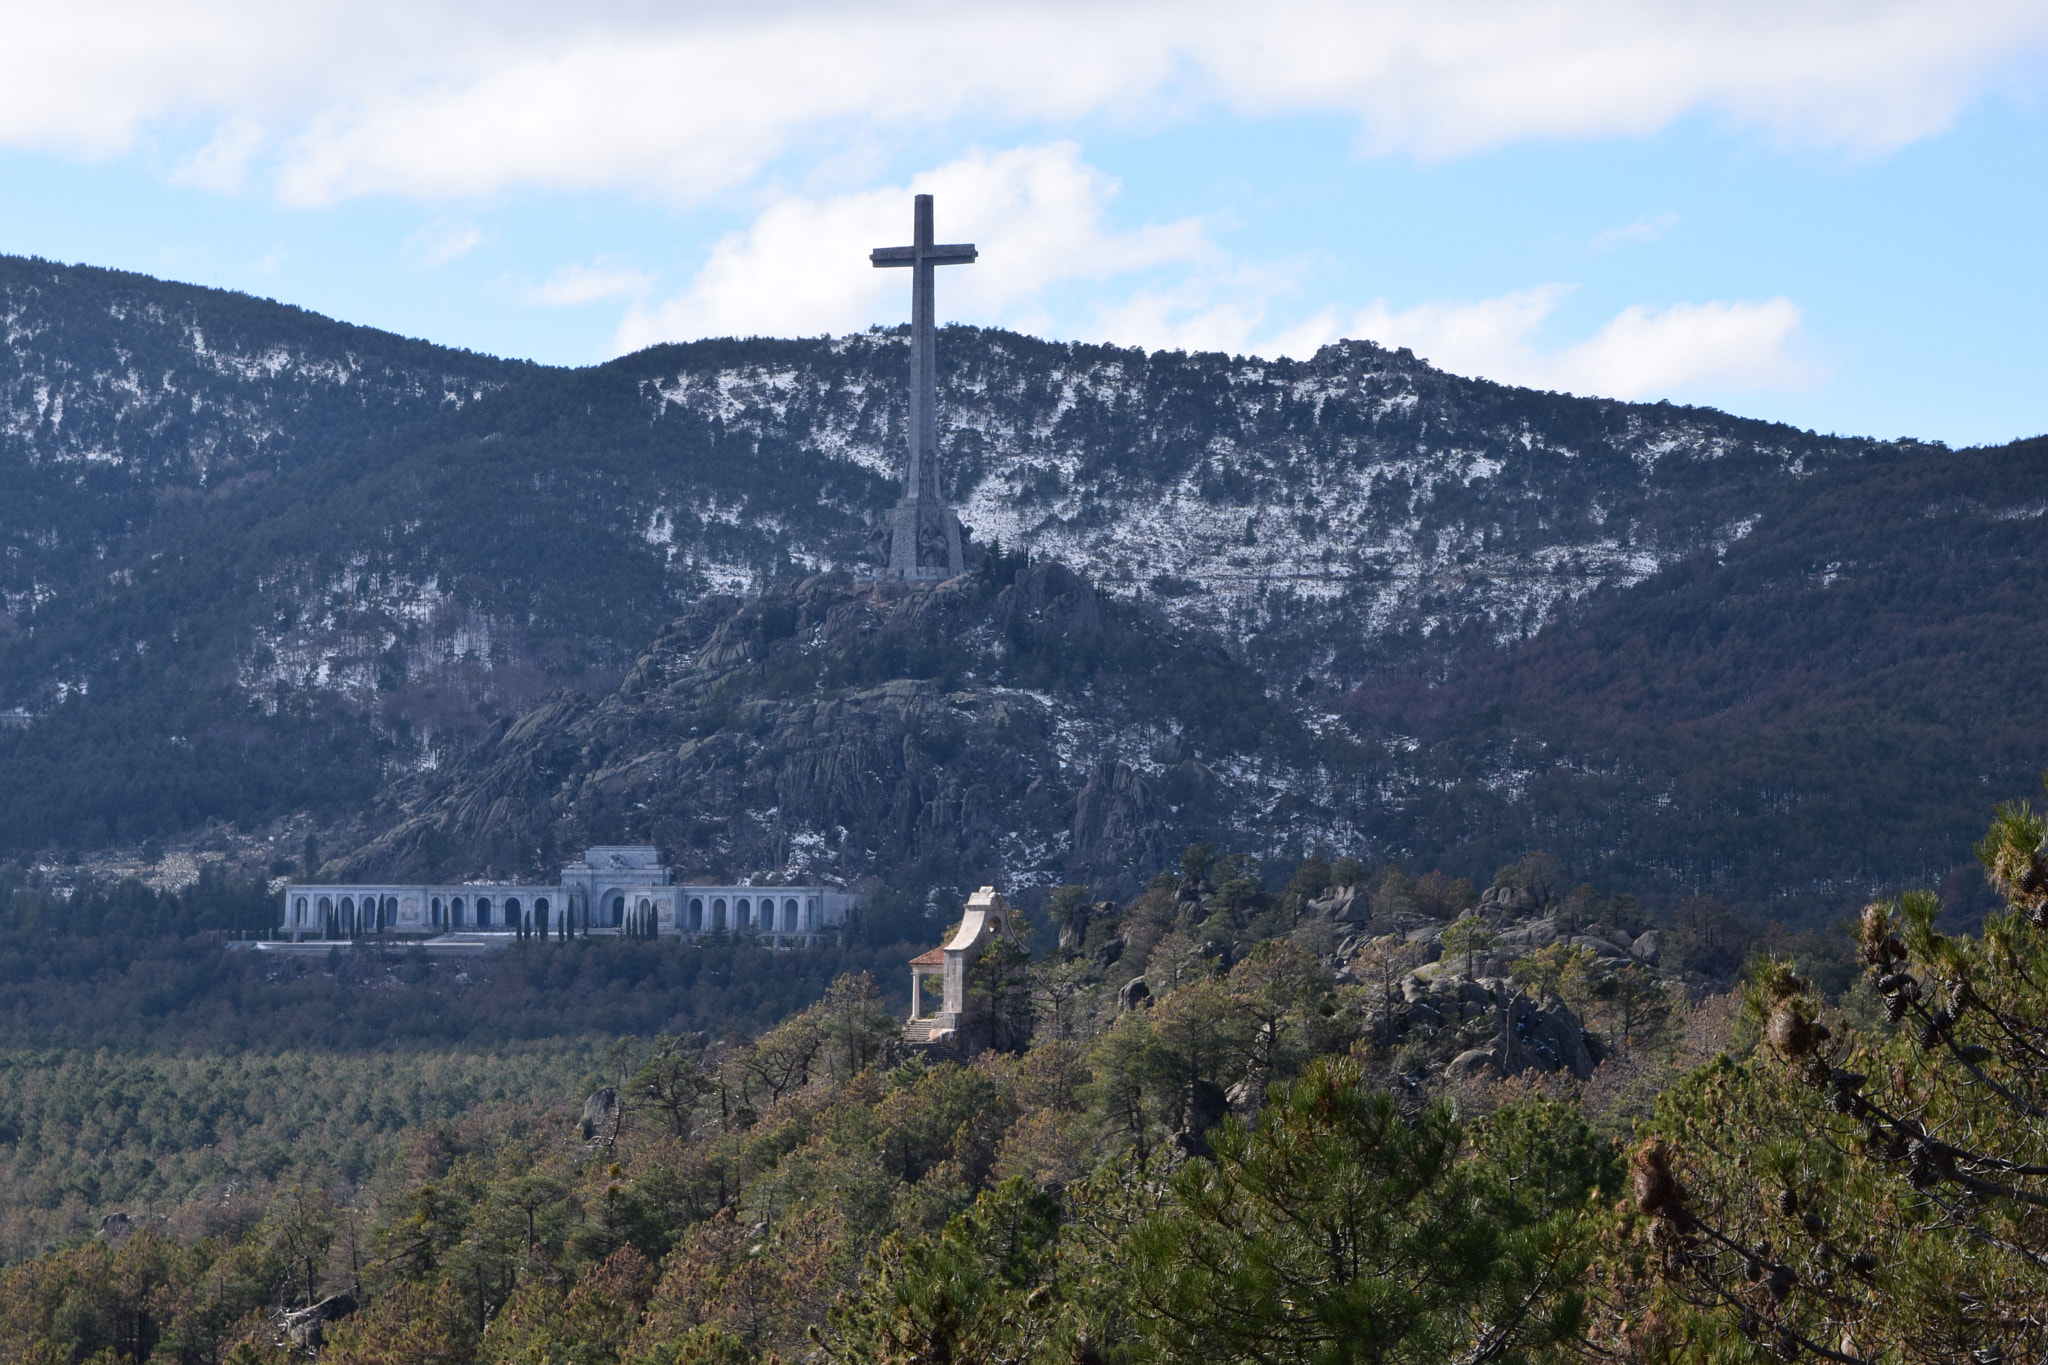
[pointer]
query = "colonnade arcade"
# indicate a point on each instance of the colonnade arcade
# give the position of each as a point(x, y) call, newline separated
point(615, 889)
point(349, 916)
point(535, 914)
point(344, 916)
point(334, 912)
point(762, 914)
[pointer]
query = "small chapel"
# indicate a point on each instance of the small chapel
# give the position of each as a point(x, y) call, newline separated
point(954, 1026)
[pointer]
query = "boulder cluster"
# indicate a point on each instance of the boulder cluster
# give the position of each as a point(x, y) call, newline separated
point(1448, 992)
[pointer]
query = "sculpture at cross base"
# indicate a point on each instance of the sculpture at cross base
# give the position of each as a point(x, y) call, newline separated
point(924, 535)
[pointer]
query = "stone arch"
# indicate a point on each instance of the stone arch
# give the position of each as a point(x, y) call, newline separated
point(513, 911)
point(789, 915)
point(813, 921)
point(299, 913)
point(696, 914)
point(718, 914)
point(540, 916)
point(618, 912)
point(483, 912)
point(742, 913)
point(435, 912)
point(455, 909)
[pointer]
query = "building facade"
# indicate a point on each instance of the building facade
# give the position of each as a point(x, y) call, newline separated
point(615, 889)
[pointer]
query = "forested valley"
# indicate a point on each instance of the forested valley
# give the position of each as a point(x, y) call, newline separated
point(1363, 1113)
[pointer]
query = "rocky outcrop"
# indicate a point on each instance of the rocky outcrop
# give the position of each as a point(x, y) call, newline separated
point(955, 732)
point(307, 1327)
point(1116, 830)
point(1489, 1025)
point(601, 1115)
point(1344, 904)
point(1461, 1016)
point(1510, 900)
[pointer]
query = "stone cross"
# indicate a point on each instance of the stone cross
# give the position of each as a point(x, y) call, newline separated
point(924, 536)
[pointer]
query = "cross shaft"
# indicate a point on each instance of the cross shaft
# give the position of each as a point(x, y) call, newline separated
point(921, 460)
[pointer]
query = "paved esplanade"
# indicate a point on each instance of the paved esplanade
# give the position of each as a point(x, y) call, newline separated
point(924, 539)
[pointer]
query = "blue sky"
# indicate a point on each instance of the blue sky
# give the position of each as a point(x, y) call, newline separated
point(1826, 214)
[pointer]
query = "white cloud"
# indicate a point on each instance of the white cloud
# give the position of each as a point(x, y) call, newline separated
point(436, 243)
point(1641, 230)
point(801, 268)
point(223, 164)
point(1641, 352)
point(438, 99)
point(607, 277)
point(1037, 215)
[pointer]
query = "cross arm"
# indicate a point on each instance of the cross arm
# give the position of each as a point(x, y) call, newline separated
point(953, 253)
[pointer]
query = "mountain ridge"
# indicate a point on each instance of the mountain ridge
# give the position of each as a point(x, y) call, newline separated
point(290, 611)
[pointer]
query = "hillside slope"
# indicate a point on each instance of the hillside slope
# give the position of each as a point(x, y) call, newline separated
point(1524, 614)
point(949, 735)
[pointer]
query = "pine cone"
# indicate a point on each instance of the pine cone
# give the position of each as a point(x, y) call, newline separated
point(1650, 1173)
point(1895, 1008)
point(1788, 1203)
point(1790, 1032)
point(1779, 1283)
point(1813, 1224)
point(1877, 927)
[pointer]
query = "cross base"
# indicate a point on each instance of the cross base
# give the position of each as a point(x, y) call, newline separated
point(924, 543)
